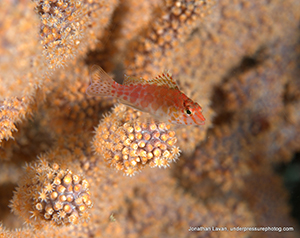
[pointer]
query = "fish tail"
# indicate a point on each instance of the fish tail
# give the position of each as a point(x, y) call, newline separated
point(101, 83)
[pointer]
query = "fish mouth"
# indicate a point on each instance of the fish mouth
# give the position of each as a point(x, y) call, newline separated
point(200, 119)
point(201, 123)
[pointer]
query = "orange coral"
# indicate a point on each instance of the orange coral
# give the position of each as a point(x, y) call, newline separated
point(12, 111)
point(224, 55)
point(128, 142)
point(172, 26)
point(22, 65)
point(51, 194)
point(66, 25)
point(70, 108)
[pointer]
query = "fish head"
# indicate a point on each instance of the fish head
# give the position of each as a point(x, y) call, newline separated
point(191, 113)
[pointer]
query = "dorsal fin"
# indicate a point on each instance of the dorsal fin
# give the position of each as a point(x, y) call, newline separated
point(133, 81)
point(164, 79)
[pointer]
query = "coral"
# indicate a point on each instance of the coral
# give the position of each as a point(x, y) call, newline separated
point(238, 59)
point(22, 65)
point(68, 27)
point(71, 109)
point(50, 193)
point(265, 213)
point(11, 111)
point(177, 210)
point(174, 23)
point(128, 142)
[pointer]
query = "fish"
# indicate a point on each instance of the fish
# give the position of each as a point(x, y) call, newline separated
point(160, 96)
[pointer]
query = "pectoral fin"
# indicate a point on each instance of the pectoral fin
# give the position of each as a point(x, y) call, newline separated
point(131, 105)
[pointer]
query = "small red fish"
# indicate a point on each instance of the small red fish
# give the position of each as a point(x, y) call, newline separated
point(160, 97)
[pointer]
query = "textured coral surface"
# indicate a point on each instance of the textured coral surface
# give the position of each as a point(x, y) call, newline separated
point(78, 166)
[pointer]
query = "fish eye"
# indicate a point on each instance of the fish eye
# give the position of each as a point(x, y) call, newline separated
point(188, 112)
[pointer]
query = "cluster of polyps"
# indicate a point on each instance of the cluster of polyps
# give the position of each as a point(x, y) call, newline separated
point(65, 199)
point(51, 194)
point(129, 144)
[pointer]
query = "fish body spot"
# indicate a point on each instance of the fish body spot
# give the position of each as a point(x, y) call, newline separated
point(133, 97)
point(155, 106)
point(144, 104)
point(149, 98)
